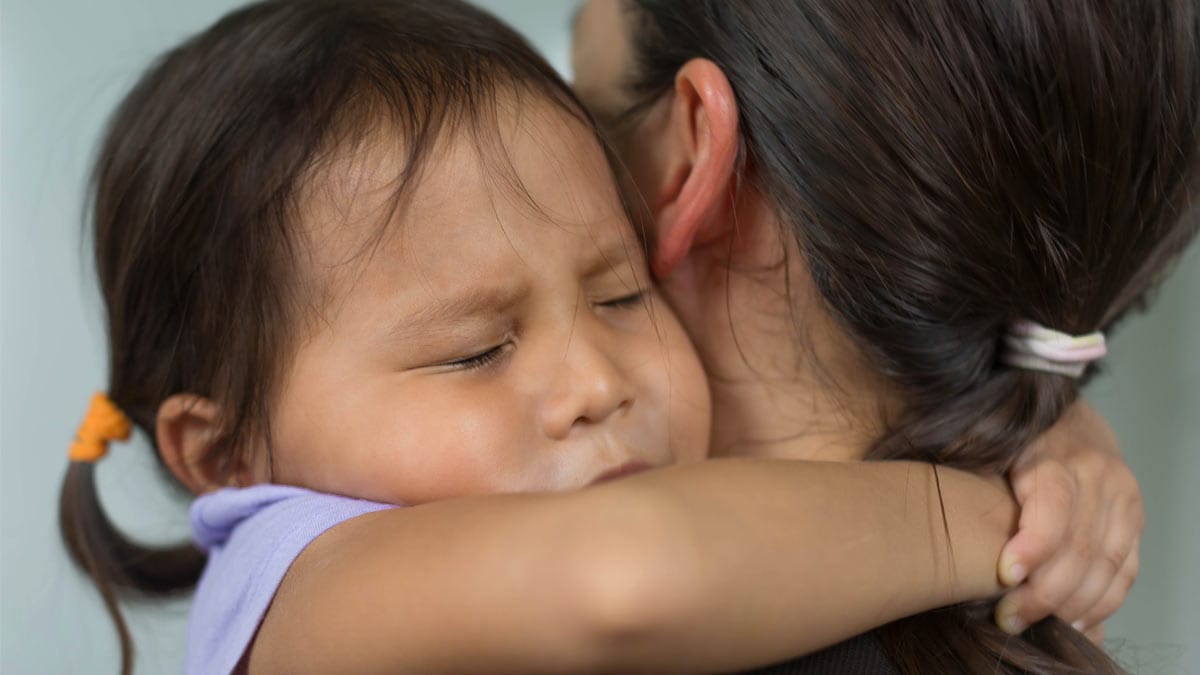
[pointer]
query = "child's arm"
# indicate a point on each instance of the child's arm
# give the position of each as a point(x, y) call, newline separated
point(708, 567)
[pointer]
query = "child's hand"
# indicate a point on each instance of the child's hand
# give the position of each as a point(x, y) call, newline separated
point(1075, 554)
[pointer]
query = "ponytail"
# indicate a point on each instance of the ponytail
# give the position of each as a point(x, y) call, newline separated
point(984, 430)
point(997, 413)
point(115, 563)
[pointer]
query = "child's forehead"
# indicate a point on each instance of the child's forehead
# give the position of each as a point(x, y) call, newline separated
point(531, 171)
point(535, 158)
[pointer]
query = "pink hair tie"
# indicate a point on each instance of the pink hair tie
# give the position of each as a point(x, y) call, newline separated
point(1034, 347)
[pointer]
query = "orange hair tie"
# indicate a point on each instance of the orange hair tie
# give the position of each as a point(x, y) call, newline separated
point(103, 423)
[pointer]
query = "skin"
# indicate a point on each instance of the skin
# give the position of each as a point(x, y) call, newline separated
point(695, 567)
point(512, 376)
point(786, 381)
point(688, 568)
point(767, 392)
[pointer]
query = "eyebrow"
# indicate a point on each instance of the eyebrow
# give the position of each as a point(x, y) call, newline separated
point(611, 257)
point(442, 314)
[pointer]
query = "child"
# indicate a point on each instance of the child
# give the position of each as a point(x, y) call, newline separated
point(365, 254)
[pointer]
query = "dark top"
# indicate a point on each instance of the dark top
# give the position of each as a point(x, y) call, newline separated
point(860, 655)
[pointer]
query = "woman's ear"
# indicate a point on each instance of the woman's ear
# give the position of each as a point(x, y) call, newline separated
point(702, 144)
point(186, 428)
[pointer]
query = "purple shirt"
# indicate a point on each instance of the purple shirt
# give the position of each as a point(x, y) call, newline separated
point(252, 535)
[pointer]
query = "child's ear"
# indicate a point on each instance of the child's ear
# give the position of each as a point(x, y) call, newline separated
point(186, 429)
point(701, 147)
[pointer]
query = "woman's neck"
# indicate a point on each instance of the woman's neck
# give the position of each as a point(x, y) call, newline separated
point(786, 380)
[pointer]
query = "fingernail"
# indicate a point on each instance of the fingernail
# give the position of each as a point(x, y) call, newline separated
point(1014, 625)
point(1006, 617)
point(1014, 572)
point(1078, 625)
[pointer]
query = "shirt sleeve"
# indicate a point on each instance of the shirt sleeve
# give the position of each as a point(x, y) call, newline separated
point(252, 536)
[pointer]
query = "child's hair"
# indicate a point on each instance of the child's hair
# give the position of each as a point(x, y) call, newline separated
point(195, 191)
point(949, 167)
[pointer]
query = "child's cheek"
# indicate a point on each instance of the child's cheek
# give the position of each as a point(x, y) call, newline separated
point(460, 441)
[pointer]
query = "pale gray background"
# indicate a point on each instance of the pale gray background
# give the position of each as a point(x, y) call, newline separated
point(63, 66)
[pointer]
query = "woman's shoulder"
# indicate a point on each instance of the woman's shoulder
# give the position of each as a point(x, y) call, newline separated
point(860, 655)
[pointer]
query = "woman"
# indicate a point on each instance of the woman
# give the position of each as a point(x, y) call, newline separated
point(851, 202)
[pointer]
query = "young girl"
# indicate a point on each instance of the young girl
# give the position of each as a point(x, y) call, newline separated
point(367, 254)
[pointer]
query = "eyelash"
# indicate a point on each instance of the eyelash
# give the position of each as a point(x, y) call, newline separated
point(478, 361)
point(489, 357)
point(627, 302)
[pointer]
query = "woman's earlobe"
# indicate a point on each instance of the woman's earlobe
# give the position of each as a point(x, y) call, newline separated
point(185, 430)
point(704, 122)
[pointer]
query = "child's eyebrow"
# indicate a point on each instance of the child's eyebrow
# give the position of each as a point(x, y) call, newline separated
point(488, 301)
point(611, 256)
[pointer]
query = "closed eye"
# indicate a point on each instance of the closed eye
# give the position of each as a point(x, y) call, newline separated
point(478, 361)
point(627, 301)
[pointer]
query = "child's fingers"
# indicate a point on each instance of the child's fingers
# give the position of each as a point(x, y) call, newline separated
point(1120, 527)
point(1047, 495)
point(1083, 582)
point(1118, 565)
point(1007, 617)
point(1045, 591)
point(1096, 634)
point(1033, 601)
point(1096, 583)
point(1100, 554)
point(1115, 596)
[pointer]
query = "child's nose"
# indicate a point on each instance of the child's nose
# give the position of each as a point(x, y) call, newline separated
point(587, 387)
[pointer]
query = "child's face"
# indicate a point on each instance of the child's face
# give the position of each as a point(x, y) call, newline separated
point(482, 345)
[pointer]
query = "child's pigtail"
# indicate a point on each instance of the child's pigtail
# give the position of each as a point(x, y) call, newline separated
point(115, 563)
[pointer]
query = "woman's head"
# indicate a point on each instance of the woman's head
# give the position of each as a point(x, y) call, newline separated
point(371, 247)
point(943, 168)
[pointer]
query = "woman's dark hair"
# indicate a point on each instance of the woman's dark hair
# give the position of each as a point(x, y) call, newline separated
point(194, 195)
point(949, 167)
